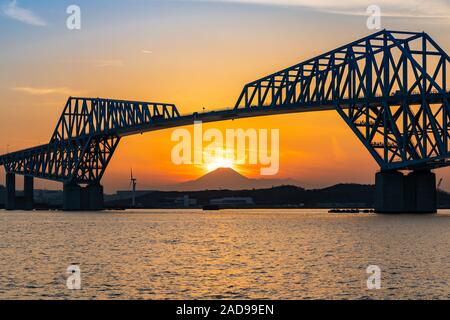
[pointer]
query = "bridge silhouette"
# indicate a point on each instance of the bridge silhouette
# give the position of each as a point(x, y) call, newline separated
point(391, 88)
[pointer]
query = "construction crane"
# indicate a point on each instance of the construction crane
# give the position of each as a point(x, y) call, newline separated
point(133, 182)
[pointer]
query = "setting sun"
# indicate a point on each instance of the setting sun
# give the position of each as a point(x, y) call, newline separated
point(216, 163)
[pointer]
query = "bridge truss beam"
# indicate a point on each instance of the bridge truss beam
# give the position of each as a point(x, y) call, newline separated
point(391, 88)
point(85, 139)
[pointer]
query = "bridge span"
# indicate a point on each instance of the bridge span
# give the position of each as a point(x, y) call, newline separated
point(390, 88)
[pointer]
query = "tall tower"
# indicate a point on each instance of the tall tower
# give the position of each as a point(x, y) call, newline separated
point(133, 189)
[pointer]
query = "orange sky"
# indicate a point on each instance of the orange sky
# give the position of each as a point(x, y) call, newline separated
point(194, 55)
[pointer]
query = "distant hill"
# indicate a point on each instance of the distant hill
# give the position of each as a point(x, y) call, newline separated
point(341, 195)
point(228, 179)
point(226, 182)
point(344, 195)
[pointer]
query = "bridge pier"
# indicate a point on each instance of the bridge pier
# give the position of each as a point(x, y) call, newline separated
point(10, 196)
point(77, 198)
point(14, 202)
point(95, 197)
point(71, 197)
point(399, 193)
point(28, 193)
point(422, 191)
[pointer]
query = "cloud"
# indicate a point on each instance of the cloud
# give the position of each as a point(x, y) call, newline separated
point(389, 8)
point(108, 63)
point(146, 51)
point(96, 63)
point(46, 91)
point(15, 12)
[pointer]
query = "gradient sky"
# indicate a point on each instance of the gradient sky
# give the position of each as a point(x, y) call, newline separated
point(195, 54)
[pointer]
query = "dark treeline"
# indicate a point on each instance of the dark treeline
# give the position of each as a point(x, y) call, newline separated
point(284, 196)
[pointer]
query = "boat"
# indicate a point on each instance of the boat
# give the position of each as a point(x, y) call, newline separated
point(210, 207)
point(343, 211)
point(351, 211)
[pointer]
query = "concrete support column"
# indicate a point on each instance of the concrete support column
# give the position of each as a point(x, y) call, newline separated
point(389, 192)
point(28, 192)
point(95, 197)
point(71, 197)
point(422, 193)
point(10, 196)
point(76, 198)
point(414, 193)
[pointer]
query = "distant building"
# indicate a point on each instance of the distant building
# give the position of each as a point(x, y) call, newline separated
point(185, 201)
point(50, 197)
point(122, 195)
point(232, 201)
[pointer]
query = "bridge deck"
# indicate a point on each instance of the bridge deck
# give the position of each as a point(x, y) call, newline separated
point(232, 114)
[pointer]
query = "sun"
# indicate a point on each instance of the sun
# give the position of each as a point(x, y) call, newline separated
point(217, 163)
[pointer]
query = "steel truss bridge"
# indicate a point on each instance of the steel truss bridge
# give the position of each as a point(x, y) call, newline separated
point(391, 88)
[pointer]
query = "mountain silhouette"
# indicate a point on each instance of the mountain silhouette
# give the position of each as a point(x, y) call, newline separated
point(228, 179)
